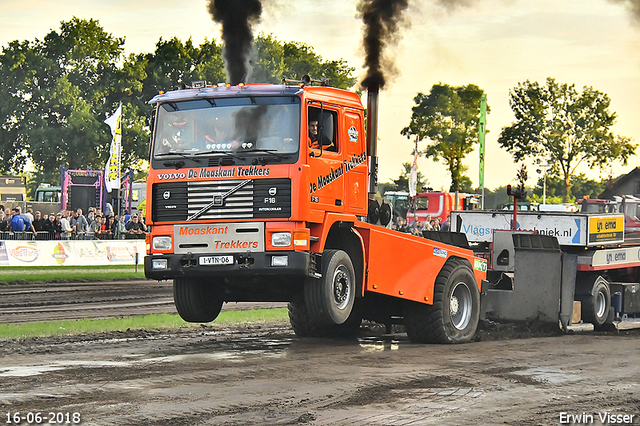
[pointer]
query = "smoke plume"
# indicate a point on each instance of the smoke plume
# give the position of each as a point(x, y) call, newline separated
point(381, 20)
point(633, 6)
point(236, 18)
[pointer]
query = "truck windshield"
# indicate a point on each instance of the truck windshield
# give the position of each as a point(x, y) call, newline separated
point(262, 125)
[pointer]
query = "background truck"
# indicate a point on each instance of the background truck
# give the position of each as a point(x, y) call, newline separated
point(243, 208)
point(435, 204)
point(560, 266)
point(13, 191)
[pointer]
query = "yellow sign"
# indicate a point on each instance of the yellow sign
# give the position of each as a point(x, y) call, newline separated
point(606, 229)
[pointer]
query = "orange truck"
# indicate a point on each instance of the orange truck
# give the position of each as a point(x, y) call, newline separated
point(266, 193)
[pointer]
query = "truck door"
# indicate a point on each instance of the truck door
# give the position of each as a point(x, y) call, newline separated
point(326, 165)
point(354, 163)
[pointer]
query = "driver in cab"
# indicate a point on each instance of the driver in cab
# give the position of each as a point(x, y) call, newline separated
point(314, 139)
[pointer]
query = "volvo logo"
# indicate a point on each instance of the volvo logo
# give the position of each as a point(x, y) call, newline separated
point(218, 200)
point(166, 195)
point(273, 191)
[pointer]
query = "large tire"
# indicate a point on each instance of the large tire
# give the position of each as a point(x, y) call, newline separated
point(196, 301)
point(305, 326)
point(330, 299)
point(454, 315)
point(597, 304)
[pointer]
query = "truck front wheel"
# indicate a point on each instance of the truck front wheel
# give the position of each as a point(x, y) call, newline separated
point(330, 299)
point(196, 301)
point(454, 315)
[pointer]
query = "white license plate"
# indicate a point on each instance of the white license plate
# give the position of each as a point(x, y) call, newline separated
point(216, 260)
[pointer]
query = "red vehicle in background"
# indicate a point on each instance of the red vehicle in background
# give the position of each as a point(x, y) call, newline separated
point(439, 204)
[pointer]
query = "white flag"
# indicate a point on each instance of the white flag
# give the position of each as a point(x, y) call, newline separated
point(413, 176)
point(112, 168)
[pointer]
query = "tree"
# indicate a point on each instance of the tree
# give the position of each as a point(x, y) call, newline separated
point(55, 96)
point(581, 187)
point(57, 92)
point(556, 124)
point(448, 119)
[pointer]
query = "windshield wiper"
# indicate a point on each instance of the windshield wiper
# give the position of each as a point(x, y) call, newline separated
point(274, 152)
point(176, 163)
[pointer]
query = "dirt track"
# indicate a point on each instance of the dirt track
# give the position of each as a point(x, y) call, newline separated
point(263, 375)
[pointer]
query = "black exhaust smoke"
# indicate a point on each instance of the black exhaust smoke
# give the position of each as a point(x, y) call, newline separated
point(236, 18)
point(633, 6)
point(381, 20)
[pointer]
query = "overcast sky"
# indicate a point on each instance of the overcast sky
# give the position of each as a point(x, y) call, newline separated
point(492, 43)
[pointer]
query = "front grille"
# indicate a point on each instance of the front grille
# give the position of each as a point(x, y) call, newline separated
point(257, 199)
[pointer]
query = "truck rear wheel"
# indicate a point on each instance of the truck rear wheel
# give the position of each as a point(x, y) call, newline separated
point(597, 304)
point(330, 299)
point(196, 301)
point(454, 315)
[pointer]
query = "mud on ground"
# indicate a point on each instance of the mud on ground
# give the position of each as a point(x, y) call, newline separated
point(263, 374)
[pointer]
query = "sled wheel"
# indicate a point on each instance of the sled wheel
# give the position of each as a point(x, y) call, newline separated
point(454, 315)
point(330, 299)
point(597, 304)
point(195, 301)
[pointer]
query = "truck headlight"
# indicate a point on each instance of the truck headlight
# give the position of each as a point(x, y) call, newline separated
point(281, 239)
point(161, 243)
point(159, 264)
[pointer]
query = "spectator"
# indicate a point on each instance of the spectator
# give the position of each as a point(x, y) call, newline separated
point(20, 223)
point(96, 227)
point(39, 225)
point(65, 226)
point(49, 224)
point(445, 227)
point(29, 214)
point(108, 210)
point(38, 222)
point(79, 224)
point(56, 225)
point(5, 225)
point(120, 229)
point(110, 224)
point(134, 226)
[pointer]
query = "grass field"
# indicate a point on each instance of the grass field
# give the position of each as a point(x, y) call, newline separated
point(146, 322)
point(16, 275)
point(56, 274)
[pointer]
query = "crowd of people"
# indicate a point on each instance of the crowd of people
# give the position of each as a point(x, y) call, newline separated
point(69, 225)
point(416, 227)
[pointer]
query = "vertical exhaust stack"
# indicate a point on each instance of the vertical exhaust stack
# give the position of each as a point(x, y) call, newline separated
point(381, 19)
point(372, 137)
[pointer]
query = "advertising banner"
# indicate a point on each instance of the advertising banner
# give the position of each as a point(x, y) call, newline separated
point(71, 253)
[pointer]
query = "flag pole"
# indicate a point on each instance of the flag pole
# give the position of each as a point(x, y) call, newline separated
point(482, 131)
